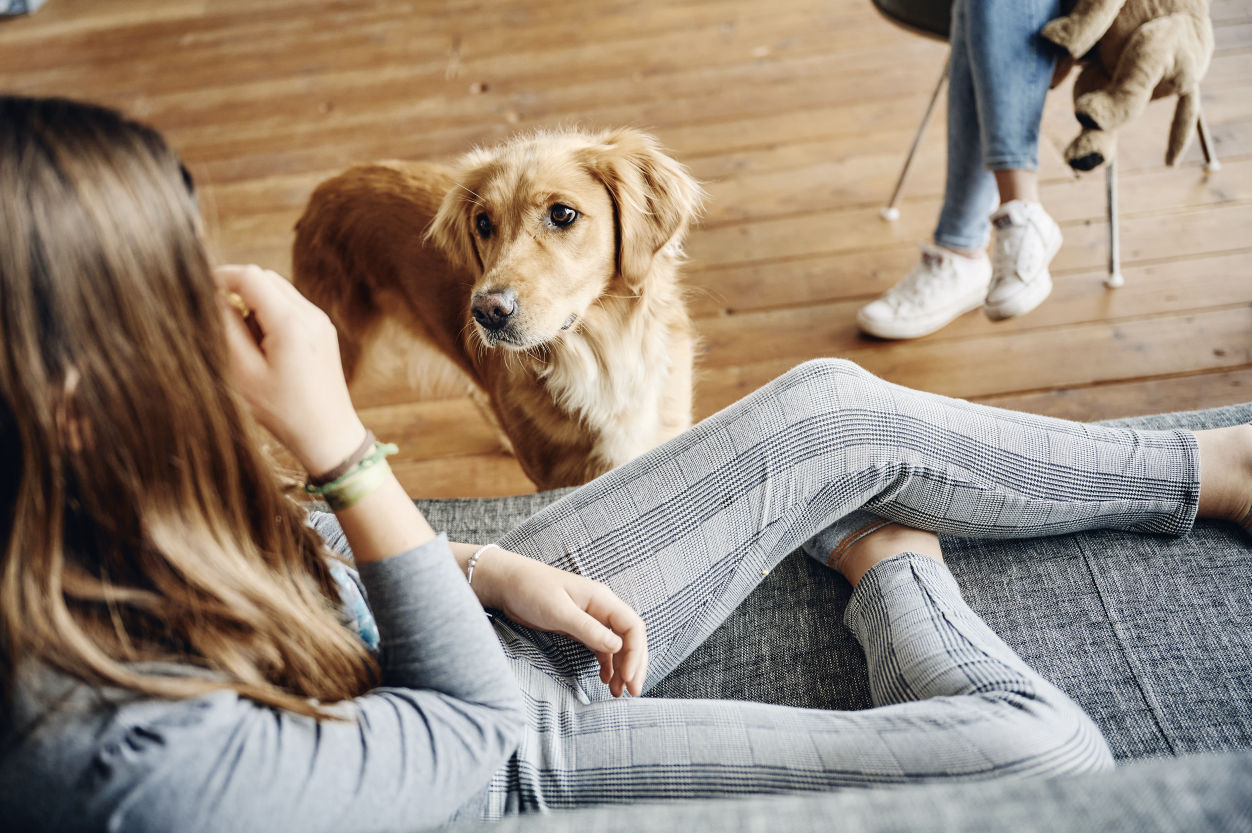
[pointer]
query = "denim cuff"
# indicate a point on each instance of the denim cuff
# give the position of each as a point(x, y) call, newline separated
point(968, 243)
point(1012, 163)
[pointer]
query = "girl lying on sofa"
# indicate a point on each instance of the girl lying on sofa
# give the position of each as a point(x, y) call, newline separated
point(183, 647)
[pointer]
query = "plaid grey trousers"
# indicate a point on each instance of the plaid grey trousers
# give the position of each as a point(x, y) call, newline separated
point(685, 532)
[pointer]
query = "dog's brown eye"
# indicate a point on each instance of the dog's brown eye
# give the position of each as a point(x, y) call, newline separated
point(562, 215)
point(483, 223)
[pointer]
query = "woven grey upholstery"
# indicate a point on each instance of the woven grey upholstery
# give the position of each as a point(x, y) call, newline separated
point(1209, 795)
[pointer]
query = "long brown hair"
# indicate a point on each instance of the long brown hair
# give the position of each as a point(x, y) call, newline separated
point(140, 520)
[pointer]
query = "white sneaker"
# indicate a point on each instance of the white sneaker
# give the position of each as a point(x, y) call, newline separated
point(941, 288)
point(1026, 239)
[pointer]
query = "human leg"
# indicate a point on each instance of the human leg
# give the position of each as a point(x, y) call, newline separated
point(879, 542)
point(969, 191)
point(685, 532)
point(1012, 65)
point(1017, 184)
point(1226, 465)
point(952, 701)
point(953, 274)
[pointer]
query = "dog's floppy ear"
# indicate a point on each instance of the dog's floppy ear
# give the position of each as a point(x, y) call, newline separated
point(655, 198)
point(453, 226)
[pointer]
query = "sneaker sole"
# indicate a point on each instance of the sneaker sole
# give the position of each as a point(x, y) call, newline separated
point(1031, 296)
point(897, 331)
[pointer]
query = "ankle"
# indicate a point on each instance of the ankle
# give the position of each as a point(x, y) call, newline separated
point(968, 254)
point(1226, 474)
point(881, 543)
point(1017, 184)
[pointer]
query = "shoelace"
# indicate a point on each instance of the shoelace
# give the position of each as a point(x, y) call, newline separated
point(923, 282)
point(928, 278)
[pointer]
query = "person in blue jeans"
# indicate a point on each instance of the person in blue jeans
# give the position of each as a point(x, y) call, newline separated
point(1000, 71)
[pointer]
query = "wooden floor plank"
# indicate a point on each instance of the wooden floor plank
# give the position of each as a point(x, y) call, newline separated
point(1143, 236)
point(1135, 398)
point(1177, 286)
point(796, 116)
point(825, 184)
point(1032, 360)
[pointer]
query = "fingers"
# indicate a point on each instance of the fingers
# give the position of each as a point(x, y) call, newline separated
point(247, 358)
point(630, 663)
point(604, 643)
point(268, 294)
point(606, 666)
point(588, 630)
point(546, 598)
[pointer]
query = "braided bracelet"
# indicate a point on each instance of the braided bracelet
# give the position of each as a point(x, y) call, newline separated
point(349, 463)
point(359, 481)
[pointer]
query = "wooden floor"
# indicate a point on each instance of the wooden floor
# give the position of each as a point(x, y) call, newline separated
point(795, 113)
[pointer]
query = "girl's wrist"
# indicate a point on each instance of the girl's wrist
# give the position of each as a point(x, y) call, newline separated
point(330, 447)
point(487, 569)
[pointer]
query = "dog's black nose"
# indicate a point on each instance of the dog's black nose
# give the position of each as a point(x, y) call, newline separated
point(494, 309)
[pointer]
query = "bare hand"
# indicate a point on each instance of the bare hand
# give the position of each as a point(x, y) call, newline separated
point(542, 597)
point(285, 360)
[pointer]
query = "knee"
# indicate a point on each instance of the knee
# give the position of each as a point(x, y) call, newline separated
point(1060, 739)
point(828, 374)
point(1083, 753)
point(837, 386)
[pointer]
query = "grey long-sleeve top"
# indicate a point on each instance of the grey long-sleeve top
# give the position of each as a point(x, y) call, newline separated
point(412, 752)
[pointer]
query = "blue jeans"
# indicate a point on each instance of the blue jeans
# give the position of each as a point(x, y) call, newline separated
point(999, 73)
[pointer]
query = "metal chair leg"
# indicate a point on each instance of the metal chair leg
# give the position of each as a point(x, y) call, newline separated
point(889, 212)
point(1114, 278)
point(1206, 145)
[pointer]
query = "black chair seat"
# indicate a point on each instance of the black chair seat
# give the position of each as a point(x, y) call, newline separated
point(932, 18)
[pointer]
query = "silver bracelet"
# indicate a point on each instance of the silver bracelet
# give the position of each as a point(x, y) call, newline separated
point(473, 561)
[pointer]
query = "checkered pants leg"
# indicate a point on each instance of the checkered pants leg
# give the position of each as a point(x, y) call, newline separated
point(685, 532)
point(953, 702)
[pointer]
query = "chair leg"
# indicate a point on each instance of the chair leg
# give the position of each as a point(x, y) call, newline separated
point(1114, 278)
point(890, 212)
point(1206, 144)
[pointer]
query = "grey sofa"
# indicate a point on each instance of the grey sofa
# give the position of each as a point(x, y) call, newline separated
point(1153, 636)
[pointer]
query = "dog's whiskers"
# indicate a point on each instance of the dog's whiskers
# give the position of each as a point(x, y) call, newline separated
point(478, 199)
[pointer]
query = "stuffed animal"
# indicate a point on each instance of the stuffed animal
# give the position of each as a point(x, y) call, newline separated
point(1133, 51)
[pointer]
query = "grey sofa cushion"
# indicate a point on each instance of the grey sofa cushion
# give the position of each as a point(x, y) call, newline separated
point(1153, 636)
point(1210, 794)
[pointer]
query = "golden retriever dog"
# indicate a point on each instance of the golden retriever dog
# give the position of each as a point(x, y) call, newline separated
point(546, 269)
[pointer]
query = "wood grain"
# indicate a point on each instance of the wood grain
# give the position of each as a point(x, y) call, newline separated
point(794, 114)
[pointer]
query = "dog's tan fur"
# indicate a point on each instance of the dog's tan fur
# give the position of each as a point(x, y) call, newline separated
point(596, 366)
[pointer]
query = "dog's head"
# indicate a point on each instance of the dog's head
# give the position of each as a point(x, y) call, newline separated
point(549, 223)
